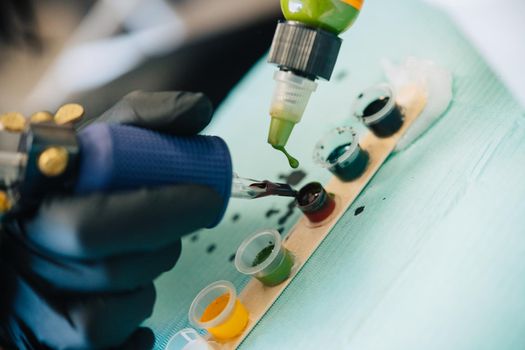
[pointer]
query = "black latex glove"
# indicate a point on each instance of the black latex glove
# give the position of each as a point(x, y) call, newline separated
point(79, 274)
point(18, 23)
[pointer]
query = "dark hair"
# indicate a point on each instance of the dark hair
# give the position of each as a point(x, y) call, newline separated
point(17, 22)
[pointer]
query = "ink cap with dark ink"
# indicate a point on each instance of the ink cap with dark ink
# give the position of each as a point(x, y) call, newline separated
point(376, 107)
point(339, 151)
point(315, 203)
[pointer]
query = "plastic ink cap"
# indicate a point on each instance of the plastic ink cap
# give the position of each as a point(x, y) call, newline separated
point(263, 256)
point(338, 137)
point(218, 310)
point(339, 152)
point(315, 202)
point(378, 110)
point(381, 92)
point(188, 339)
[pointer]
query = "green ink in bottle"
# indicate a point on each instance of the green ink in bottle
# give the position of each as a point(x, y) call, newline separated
point(300, 62)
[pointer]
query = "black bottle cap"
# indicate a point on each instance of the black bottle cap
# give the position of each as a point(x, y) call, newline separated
point(304, 50)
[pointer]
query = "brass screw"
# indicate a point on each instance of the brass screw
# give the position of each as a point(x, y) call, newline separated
point(53, 161)
point(41, 117)
point(5, 205)
point(13, 121)
point(69, 113)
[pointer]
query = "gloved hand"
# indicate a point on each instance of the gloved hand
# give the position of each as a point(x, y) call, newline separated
point(18, 22)
point(79, 274)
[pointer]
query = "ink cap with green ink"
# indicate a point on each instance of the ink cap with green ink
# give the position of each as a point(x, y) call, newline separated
point(339, 152)
point(263, 256)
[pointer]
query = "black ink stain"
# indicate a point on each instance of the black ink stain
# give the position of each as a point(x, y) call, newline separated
point(231, 258)
point(294, 178)
point(283, 219)
point(384, 198)
point(271, 213)
point(194, 238)
point(211, 248)
point(341, 75)
point(236, 217)
point(359, 210)
point(281, 230)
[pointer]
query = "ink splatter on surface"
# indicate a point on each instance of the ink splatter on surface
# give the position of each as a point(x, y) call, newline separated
point(359, 210)
point(211, 248)
point(231, 258)
point(271, 213)
point(284, 219)
point(194, 238)
point(294, 178)
point(236, 217)
point(341, 75)
point(281, 230)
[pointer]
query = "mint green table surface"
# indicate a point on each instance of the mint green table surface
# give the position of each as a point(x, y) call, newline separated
point(437, 258)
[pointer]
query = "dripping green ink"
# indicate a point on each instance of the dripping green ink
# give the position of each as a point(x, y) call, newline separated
point(294, 163)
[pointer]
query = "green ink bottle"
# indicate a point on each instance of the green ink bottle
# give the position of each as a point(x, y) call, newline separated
point(335, 16)
point(305, 48)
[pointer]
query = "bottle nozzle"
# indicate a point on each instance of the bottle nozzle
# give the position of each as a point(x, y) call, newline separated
point(280, 131)
point(289, 101)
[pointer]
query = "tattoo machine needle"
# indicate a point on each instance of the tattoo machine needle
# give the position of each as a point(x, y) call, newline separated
point(252, 189)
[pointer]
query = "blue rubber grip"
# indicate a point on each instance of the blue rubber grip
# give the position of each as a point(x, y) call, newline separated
point(122, 157)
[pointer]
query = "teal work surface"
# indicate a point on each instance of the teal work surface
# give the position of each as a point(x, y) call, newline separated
point(437, 258)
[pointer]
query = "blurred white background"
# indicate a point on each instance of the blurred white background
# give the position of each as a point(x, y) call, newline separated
point(90, 44)
point(94, 52)
point(497, 30)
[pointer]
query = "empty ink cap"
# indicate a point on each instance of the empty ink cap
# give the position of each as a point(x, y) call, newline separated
point(188, 339)
point(377, 92)
point(227, 317)
point(263, 256)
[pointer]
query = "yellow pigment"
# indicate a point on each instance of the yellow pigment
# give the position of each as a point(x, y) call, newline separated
point(233, 325)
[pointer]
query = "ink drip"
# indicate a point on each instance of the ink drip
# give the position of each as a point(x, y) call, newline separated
point(294, 163)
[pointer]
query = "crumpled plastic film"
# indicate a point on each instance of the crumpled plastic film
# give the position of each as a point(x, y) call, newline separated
point(425, 75)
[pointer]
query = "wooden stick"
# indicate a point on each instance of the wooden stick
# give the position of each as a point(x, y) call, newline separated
point(304, 238)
